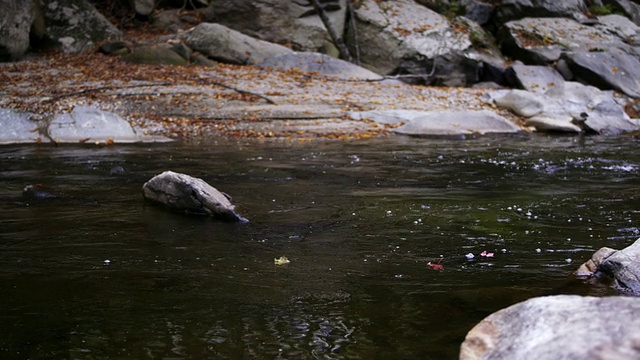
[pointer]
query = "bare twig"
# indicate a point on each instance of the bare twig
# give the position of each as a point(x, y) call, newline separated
point(337, 40)
point(352, 17)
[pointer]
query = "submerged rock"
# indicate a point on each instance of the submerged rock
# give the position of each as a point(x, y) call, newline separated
point(189, 195)
point(558, 327)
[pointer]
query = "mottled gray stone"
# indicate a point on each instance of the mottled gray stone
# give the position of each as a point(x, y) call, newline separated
point(226, 45)
point(86, 124)
point(566, 327)
point(624, 267)
point(17, 127)
point(457, 123)
point(189, 195)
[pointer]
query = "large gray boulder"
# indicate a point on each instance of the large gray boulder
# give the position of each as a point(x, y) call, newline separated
point(623, 266)
point(189, 195)
point(293, 22)
point(390, 33)
point(76, 25)
point(404, 38)
point(544, 40)
point(223, 44)
point(613, 69)
point(566, 327)
point(318, 63)
point(16, 19)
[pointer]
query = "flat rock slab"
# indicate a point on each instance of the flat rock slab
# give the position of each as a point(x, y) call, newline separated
point(319, 63)
point(558, 327)
point(190, 195)
point(86, 124)
point(458, 123)
point(17, 127)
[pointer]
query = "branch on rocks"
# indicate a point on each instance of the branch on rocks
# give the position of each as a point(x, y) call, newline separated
point(204, 81)
point(337, 40)
point(352, 18)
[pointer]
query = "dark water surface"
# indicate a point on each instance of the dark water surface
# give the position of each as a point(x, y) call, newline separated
point(97, 273)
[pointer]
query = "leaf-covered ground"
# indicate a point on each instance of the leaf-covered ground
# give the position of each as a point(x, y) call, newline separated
point(223, 100)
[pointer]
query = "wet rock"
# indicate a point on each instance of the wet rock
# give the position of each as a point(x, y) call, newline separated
point(622, 266)
point(162, 54)
point(457, 123)
point(590, 267)
point(116, 170)
point(189, 195)
point(86, 124)
point(558, 327)
point(17, 127)
point(16, 19)
point(320, 63)
point(75, 25)
point(38, 192)
point(223, 44)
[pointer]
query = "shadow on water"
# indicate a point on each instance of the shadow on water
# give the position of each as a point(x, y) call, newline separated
point(95, 272)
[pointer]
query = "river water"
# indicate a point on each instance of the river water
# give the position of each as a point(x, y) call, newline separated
point(95, 272)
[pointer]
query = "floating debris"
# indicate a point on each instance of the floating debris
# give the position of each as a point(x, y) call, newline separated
point(282, 260)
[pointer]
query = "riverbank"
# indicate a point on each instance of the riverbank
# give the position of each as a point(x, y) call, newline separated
point(222, 100)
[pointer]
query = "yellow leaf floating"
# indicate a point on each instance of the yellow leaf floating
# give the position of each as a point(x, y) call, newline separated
point(281, 260)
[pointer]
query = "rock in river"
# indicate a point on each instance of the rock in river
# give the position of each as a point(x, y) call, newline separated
point(559, 327)
point(189, 195)
point(622, 266)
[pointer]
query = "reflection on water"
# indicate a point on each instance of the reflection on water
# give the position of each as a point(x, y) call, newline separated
point(95, 272)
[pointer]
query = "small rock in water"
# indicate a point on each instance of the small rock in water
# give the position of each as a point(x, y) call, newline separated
point(469, 256)
point(107, 262)
point(116, 170)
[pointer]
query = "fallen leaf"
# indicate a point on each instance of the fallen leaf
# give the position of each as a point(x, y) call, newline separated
point(435, 266)
point(281, 260)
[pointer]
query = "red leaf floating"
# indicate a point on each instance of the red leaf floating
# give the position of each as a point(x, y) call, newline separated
point(436, 266)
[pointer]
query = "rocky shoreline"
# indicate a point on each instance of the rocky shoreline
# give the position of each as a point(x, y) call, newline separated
point(198, 101)
point(220, 69)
